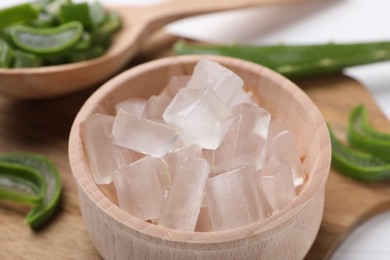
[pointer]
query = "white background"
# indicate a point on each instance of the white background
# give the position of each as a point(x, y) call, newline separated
point(317, 22)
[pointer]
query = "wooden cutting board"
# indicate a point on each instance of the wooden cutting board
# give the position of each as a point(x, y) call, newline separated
point(42, 126)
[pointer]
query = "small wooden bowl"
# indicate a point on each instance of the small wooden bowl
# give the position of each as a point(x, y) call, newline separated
point(288, 234)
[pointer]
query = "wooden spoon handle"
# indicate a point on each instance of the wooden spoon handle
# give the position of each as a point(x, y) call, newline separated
point(162, 14)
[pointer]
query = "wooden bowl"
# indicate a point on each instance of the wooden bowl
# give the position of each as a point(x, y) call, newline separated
point(287, 234)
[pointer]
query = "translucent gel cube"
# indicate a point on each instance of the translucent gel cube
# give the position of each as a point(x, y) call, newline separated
point(281, 144)
point(174, 160)
point(245, 142)
point(200, 115)
point(275, 180)
point(174, 85)
point(155, 107)
point(233, 199)
point(142, 188)
point(104, 157)
point(224, 82)
point(133, 106)
point(182, 207)
point(142, 135)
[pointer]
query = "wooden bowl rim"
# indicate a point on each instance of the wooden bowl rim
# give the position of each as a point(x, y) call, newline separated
point(153, 232)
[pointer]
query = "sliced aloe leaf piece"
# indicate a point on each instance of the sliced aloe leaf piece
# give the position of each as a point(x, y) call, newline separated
point(43, 211)
point(21, 184)
point(47, 40)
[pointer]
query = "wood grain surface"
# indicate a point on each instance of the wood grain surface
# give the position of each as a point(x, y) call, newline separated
point(42, 126)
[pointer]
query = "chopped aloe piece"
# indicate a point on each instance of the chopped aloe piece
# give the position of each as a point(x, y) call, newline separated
point(92, 53)
point(56, 59)
point(103, 34)
point(18, 190)
point(47, 40)
point(44, 20)
point(97, 14)
point(6, 55)
point(365, 137)
point(26, 60)
point(53, 7)
point(357, 164)
point(113, 23)
point(4, 35)
point(359, 122)
point(17, 14)
point(85, 42)
point(21, 184)
point(43, 211)
point(76, 12)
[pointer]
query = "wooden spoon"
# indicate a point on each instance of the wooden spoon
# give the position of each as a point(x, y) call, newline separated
point(138, 24)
